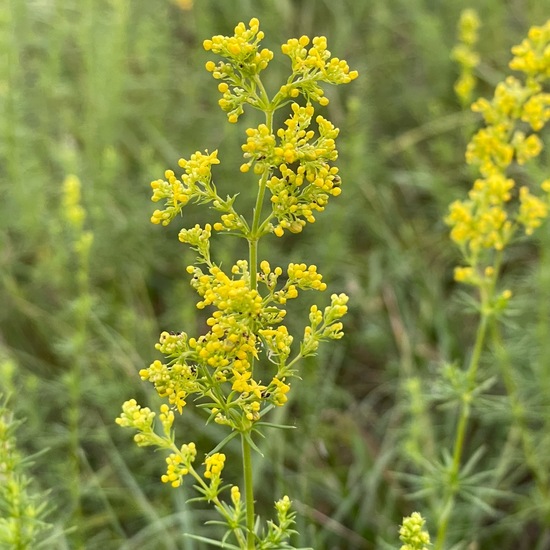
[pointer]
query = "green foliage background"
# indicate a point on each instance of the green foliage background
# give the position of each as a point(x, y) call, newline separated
point(115, 91)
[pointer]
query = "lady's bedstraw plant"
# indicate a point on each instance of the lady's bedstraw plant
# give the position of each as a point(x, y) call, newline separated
point(22, 510)
point(242, 367)
point(486, 222)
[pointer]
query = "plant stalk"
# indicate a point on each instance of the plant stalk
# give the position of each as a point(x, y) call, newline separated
point(462, 426)
point(253, 268)
point(248, 493)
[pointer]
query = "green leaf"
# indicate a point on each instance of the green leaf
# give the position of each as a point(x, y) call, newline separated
point(212, 542)
point(223, 442)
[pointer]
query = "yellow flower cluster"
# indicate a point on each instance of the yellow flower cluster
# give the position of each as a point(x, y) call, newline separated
point(278, 343)
point(481, 222)
point(135, 416)
point(194, 184)
point(175, 381)
point(185, 5)
point(413, 534)
point(301, 179)
point(214, 465)
point(306, 276)
point(141, 419)
point(245, 60)
point(166, 418)
point(235, 495)
point(465, 55)
point(532, 56)
point(73, 211)
point(295, 141)
point(173, 344)
point(313, 65)
point(324, 324)
point(269, 277)
point(305, 179)
point(258, 149)
point(488, 219)
point(178, 464)
point(241, 48)
point(231, 222)
point(532, 210)
point(198, 239)
point(300, 276)
point(278, 391)
point(231, 296)
point(244, 384)
point(249, 388)
point(241, 323)
point(231, 339)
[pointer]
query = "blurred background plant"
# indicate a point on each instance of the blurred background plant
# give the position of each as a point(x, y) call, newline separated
point(112, 91)
point(22, 511)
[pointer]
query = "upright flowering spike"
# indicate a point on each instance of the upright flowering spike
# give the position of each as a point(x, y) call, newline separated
point(239, 367)
point(482, 225)
point(485, 222)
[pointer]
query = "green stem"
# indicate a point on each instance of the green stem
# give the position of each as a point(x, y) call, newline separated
point(248, 493)
point(487, 293)
point(462, 426)
point(256, 220)
point(253, 239)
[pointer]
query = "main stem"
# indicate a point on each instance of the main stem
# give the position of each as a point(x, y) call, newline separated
point(253, 239)
point(257, 218)
point(465, 409)
point(248, 493)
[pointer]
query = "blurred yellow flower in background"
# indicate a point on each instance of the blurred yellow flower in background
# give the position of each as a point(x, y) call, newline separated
point(184, 4)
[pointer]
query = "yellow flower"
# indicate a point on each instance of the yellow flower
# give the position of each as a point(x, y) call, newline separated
point(531, 55)
point(214, 465)
point(279, 393)
point(185, 5)
point(178, 464)
point(532, 210)
point(240, 381)
point(536, 111)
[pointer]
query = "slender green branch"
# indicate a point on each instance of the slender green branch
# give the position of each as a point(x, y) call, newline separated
point(462, 426)
point(254, 234)
point(248, 492)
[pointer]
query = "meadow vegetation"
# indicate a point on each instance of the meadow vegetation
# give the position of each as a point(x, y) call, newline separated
point(97, 99)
